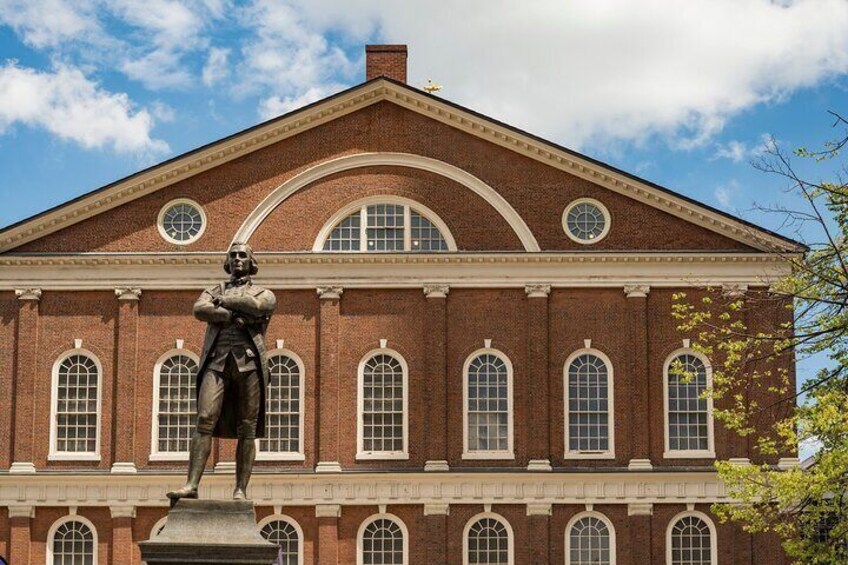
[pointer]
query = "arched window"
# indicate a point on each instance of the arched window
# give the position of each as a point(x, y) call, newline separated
point(689, 422)
point(382, 422)
point(589, 540)
point(691, 540)
point(589, 428)
point(487, 540)
point(488, 406)
point(75, 429)
point(285, 534)
point(382, 540)
point(385, 224)
point(158, 527)
point(174, 404)
point(72, 541)
point(283, 409)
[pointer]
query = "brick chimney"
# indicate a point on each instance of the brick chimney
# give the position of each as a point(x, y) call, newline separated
point(385, 61)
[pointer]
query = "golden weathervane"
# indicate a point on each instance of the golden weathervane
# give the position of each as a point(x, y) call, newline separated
point(432, 87)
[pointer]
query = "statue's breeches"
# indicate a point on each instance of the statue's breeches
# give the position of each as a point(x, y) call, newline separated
point(242, 389)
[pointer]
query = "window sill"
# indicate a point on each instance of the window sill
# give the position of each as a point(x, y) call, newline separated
point(376, 456)
point(589, 455)
point(168, 456)
point(502, 455)
point(73, 457)
point(295, 457)
point(699, 454)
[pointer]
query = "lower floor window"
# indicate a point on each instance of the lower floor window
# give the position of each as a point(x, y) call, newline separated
point(285, 536)
point(488, 543)
point(382, 543)
point(73, 544)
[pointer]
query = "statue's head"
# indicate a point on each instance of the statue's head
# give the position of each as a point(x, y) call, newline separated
point(240, 260)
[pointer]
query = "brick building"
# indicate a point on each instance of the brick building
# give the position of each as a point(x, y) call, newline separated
point(470, 352)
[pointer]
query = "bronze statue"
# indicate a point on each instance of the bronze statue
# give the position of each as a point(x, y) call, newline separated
point(233, 373)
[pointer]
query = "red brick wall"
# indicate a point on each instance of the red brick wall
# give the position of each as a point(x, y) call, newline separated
point(8, 323)
point(229, 192)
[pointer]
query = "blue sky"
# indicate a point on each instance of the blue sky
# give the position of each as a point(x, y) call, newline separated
point(680, 94)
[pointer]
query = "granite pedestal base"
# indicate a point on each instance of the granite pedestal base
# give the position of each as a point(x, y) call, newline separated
point(209, 532)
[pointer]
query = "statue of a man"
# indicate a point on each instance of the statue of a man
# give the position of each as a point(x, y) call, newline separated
point(233, 372)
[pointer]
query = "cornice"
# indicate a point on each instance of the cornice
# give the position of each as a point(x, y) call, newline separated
point(370, 93)
point(313, 270)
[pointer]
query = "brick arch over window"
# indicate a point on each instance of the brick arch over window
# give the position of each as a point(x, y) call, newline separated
point(333, 166)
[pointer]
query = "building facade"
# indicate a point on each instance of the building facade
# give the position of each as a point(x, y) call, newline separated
point(471, 355)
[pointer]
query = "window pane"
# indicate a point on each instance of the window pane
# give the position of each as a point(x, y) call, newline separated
point(345, 236)
point(687, 409)
point(585, 221)
point(385, 227)
point(425, 236)
point(76, 405)
point(282, 407)
point(177, 403)
point(488, 401)
point(182, 222)
point(588, 404)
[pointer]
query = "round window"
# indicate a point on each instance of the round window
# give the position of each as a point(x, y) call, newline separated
point(182, 221)
point(586, 221)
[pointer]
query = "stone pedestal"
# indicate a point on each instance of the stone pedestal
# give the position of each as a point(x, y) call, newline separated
point(209, 532)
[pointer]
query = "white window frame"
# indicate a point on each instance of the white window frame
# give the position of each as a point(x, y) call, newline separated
point(155, 454)
point(593, 202)
point(710, 525)
point(708, 453)
point(509, 453)
point(589, 514)
point(361, 454)
point(160, 221)
point(360, 555)
point(71, 518)
point(54, 454)
point(363, 204)
point(509, 534)
point(298, 455)
point(291, 521)
point(577, 454)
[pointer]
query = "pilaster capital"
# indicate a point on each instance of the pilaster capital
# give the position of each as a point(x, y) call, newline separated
point(734, 290)
point(127, 293)
point(122, 511)
point(436, 290)
point(537, 290)
point(22, 511)
point(28, 294)
point(539, 509)
point(436, 509)
point(328, 511)
point(330, 292)
point(637, 290)
point(640, 509)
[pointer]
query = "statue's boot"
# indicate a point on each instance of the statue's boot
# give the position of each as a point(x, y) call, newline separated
point(201, 446)
point(245, 455)
point(186, 492)
point(238, 494)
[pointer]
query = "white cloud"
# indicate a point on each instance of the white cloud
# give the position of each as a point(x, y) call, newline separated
point(275, 106)
point(587, 72)
point(216, 68)
point(71, 107)
point(725, 193)
point(738, 151)
point(158, 69)
point(46, 23)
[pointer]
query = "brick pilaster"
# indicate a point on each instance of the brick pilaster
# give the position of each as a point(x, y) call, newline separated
point(26, 358)
point(639, 521)
point(126, 375)
point(20, 534)
point(327, 543)
point(638, 437)
point(436, 433)
point(122, 550)
point(540, 533)
point(538, 377)
point(436, 532)
point(327, 404)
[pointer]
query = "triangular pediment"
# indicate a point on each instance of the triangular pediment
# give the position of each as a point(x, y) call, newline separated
point(238, 145)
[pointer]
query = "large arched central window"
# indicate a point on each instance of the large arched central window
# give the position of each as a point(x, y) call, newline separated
point(382, 432)
point(388, 224)
point(689, 425)
point(488, 406)
point(76, 407)
point(588, 406)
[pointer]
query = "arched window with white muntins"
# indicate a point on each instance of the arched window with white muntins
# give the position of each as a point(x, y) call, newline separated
point(286, 534)
point(382, 400)
point(590, 540)
point(488, 406)
point(691, 540)
point(385, 224)
point(589, 414)
point(383, 540)
point(174, 404)
point(72, 541)
point(488, 540)
point(284, 400)
point(75, 407)
point(688, 412)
